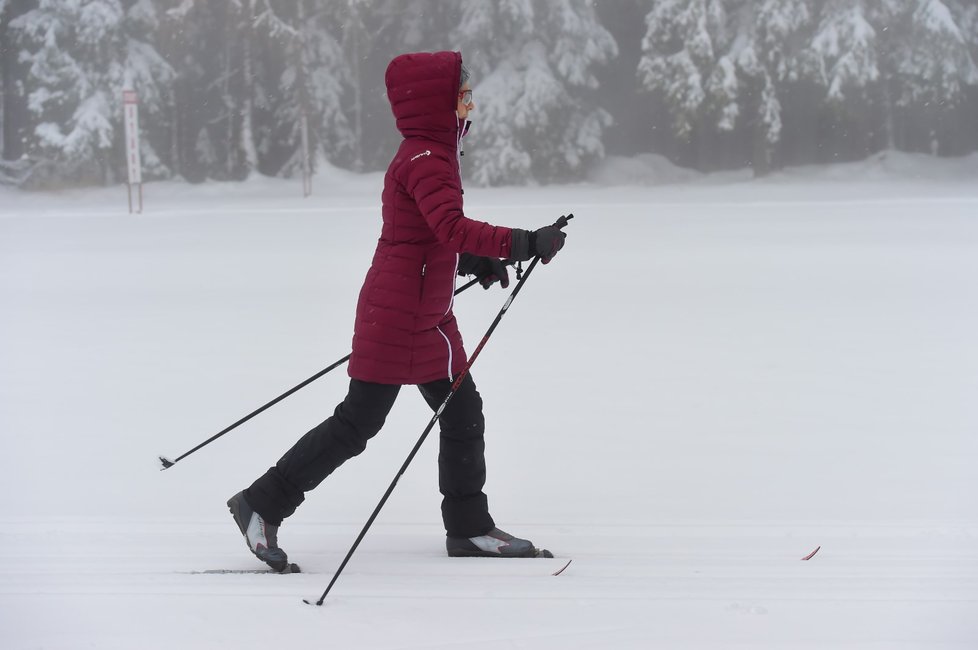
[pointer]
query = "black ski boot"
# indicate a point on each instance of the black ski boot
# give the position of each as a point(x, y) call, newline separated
point(495, 543)
point(261, 537)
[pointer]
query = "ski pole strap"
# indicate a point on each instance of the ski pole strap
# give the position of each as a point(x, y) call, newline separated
point(560, 223)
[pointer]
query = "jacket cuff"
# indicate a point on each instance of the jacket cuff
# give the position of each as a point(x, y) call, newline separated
point(519, 249)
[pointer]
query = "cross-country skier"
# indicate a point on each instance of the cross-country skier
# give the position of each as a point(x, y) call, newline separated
point(405, 332)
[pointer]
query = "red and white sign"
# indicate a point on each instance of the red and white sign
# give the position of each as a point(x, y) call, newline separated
point(131, 105)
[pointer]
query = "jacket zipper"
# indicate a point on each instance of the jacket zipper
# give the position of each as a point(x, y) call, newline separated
point(451, 301)
point(449, 344)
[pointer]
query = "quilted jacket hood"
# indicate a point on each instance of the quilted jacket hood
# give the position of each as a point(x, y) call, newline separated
point(422, 88)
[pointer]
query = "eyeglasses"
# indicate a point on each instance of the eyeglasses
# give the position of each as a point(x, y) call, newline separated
point(465, 96)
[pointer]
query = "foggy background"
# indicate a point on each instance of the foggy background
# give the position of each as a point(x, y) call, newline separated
point(225, 85)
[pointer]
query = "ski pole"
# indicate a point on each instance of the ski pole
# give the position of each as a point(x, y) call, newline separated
point(434, 418)
point(167, 463)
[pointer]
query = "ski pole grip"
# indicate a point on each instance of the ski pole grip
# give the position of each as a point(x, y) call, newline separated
point(560, 223)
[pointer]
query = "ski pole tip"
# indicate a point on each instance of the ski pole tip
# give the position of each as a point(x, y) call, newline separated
point(167, 463)
point(561, 569)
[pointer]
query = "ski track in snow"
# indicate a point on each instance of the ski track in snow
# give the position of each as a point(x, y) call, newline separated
point(114, 581)
point(708, 382)
point(125, 583)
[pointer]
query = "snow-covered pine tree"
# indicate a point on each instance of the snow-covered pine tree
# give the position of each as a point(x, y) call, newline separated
point(844, 50)
point(533, 64)
point(314, 82)
point(761, 108)
point(783, 30)
point(196, 37)
point(939, 64)
point(777, 55)
point(248, 16)
point(213, 50)
point(681, 51)
point(717, 63)
point(151, 76)
point(82, 54)
point(966, 14)
point(171, 39)
point(937, 70)
point(892, 23)
point(356, 41)
point(928, 65)
point(12, 104)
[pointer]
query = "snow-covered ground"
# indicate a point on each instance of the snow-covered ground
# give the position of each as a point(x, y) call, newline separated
point(714, 377)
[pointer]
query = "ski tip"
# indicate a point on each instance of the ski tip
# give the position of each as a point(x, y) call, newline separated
point(167, 463)
point(812, 554)
point(561, 569)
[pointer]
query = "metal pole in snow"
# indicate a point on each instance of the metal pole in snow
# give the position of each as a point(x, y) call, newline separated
point(130, 104)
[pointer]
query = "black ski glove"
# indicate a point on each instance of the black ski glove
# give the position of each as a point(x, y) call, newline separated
point(544, 242)
point(487, 269)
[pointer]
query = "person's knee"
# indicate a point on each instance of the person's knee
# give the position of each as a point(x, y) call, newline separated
point(464, 430)
point(356, 433)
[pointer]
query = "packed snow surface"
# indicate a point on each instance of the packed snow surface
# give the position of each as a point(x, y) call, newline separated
point(714, 377)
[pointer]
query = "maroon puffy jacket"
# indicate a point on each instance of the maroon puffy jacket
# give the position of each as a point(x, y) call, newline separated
point(405, 332)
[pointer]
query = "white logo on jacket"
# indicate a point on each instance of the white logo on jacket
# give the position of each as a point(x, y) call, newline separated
point(426, 152)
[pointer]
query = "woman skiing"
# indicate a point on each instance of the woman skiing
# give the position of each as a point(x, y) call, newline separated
point(405, 332)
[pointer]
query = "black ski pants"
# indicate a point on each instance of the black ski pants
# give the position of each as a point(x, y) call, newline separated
point(357, 419)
